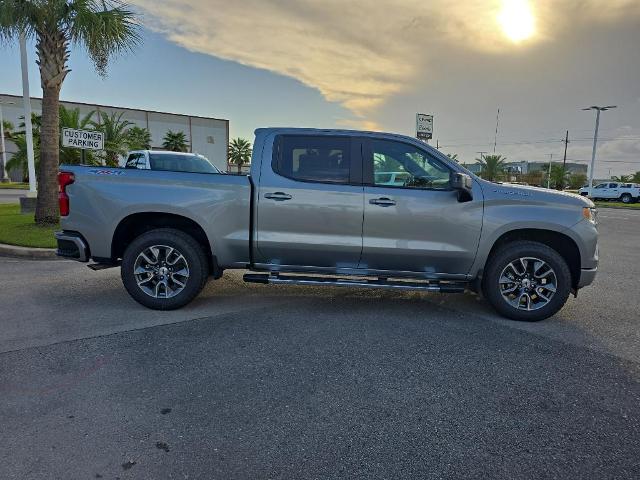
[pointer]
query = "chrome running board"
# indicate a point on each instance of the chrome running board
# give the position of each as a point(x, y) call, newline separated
point(429, 286)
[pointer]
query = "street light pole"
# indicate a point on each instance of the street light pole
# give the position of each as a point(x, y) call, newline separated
point(4, 177)
point(549, 173)
point(595, 142)
point(27, 115)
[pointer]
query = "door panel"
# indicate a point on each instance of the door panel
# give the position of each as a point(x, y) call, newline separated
point(415, 224)
point(303, 222)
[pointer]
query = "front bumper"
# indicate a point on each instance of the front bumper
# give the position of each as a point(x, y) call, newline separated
point(72, 245)
point(587, 276)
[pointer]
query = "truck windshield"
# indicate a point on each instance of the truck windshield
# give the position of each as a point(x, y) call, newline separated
point(181, 163)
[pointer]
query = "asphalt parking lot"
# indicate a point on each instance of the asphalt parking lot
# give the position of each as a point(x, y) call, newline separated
point(261, 382)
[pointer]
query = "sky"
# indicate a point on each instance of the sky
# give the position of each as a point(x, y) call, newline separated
point(374, 65)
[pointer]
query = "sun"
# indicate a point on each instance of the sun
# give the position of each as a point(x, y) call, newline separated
point(517, 20)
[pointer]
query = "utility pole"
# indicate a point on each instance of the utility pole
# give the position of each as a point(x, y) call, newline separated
point(595, 141)
point(564, 160)
point(481, 159)
point(549, 174)
point(495, 138)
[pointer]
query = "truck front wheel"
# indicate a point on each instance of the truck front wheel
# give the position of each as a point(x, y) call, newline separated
point(526, 281)
point(164, 269)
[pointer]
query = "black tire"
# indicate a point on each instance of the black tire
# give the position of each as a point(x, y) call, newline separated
point(183, 243)
point(626, 198)
point(512, 252)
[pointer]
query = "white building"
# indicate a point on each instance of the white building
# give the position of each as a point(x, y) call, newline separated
point(206, 135)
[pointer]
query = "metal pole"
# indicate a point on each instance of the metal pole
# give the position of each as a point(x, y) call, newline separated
point(593, 153)
point(5, 177)
point(564, 159)
point(495, 138)
point(549, 174)
point(26, 98)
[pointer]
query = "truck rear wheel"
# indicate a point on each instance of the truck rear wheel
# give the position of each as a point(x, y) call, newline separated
point(164, 269)
point(626, 198)
point(526, 281)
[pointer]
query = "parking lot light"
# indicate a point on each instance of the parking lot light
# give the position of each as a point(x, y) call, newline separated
point(595, 142)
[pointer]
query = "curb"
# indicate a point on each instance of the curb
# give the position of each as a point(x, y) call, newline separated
point(28, 252)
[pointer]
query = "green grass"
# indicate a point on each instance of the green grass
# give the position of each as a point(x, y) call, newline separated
point(18, 229)
point(15, 186)
point(618, 205)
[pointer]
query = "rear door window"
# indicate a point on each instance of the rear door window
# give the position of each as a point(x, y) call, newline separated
point(323, 159)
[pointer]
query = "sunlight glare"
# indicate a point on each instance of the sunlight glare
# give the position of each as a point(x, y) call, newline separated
point(516, 19)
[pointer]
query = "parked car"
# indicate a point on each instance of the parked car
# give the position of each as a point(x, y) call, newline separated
point(168, 161)
point(313, 211)
point(624, 192)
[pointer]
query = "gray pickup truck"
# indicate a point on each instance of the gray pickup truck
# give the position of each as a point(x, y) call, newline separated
point(332, 207)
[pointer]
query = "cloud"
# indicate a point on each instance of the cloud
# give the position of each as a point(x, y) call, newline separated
point(357, 53)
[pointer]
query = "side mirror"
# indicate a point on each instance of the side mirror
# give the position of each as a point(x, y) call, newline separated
point(463, 184)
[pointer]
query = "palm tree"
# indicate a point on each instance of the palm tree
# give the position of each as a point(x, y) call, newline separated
point(636, 177)
point(175, 141)
point(102, 28)
point(240, 152)
point(70, 118)
point(19, 159)
point(558, 177)
point(492, 167)
point(577, 180)
point(7, 128)
point(138, 138)
point(116, 141)
point(622, 178)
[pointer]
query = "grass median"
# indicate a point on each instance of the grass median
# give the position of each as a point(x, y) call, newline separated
point(632, 206)
point(18, 229)
point(14, 186)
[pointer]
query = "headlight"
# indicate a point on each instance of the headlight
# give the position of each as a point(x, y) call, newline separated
point(591, 214)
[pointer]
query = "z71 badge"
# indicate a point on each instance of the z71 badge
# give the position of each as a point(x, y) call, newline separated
point(105, 172)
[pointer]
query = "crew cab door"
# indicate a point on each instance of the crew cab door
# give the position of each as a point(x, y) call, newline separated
point(310, 202)
point(413, 221)
point(612, 190)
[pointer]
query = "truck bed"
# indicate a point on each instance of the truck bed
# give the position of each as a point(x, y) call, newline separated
point(102, 199)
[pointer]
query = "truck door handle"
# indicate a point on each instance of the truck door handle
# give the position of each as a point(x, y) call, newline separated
point(278, 196)
point(382, 202)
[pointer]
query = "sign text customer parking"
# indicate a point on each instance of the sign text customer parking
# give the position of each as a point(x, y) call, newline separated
point(82, 139)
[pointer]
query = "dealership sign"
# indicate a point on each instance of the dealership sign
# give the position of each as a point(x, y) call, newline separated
point(84, 139)
point(424, 126)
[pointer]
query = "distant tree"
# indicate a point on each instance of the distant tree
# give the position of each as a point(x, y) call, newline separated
point(577, 180)
point(138, 138)
point(622, 178)
point(101, 29)
point(240, 152)
point(492, 167)
point(453, 156)
point(636, 177)
point(175, 141)
point(115, 136)
point(70, 118)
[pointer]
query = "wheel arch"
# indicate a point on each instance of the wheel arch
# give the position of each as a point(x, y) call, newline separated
point(561, 243)
point(138, 223)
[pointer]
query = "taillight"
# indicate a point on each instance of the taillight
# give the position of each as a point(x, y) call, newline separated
point(64, 179)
